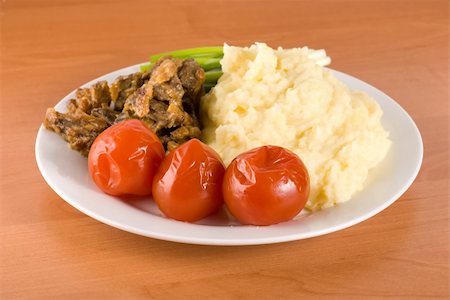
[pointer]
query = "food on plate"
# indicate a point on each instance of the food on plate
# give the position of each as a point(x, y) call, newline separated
point(283, 97)
point(265, 186)
point(165, 98)
point(78, 129)
point(124, 159)
point(188, 184)
point(256, 96)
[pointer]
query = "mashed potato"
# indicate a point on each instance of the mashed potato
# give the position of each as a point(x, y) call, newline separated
point(282, 97)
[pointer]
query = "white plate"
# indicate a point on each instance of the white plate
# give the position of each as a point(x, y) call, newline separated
point(66, 172)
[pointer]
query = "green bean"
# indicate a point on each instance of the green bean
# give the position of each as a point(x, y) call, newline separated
point(211, 52)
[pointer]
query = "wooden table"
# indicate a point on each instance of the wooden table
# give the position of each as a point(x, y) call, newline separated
point(49, 249)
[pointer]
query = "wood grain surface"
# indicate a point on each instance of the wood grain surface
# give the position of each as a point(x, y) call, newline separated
point(50, 250)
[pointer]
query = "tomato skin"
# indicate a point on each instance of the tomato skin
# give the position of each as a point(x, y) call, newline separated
point(265, 186)
point(188, 184)
point(124, 158)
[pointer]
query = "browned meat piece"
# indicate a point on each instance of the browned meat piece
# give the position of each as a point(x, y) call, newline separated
point(125, 86)
point(158, 113)
point(79, 130)
point(125, 115)
point(96, 96)
point(138, 104)
point(192, 77)
point(168, 87)
point(106, 114)
point(171, 91)
point(181, 135)
point(164, 69)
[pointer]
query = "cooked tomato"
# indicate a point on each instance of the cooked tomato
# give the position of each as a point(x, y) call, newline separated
point(124, 158)
point(188, 184)
point(265, 186)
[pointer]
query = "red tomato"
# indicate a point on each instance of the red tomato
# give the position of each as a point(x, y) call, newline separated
point(265, 186)
point(124, 158)
point(188, 184)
